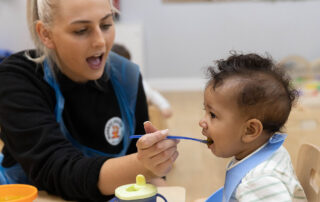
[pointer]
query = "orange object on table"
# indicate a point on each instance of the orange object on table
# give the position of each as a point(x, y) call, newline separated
point(18, 193)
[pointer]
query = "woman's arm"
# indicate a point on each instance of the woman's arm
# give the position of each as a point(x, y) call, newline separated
point(33, 138)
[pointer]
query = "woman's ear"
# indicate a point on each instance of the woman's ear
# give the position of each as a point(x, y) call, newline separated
point(44, 35)
point(253, 130)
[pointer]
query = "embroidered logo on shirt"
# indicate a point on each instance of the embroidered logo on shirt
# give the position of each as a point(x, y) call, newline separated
point(114, 130)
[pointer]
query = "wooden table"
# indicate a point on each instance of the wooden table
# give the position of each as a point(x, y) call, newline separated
point(172, 194)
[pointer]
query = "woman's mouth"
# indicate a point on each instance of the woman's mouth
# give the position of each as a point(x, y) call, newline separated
point(95, 61)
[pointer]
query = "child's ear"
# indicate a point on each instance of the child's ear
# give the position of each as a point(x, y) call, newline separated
point(44, 35)
point(253, 130)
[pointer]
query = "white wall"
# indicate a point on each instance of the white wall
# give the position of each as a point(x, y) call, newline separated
point(14, 33)
point(131, 36)
point(182, 38)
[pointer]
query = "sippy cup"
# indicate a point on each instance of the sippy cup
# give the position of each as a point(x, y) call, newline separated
point(139, 192)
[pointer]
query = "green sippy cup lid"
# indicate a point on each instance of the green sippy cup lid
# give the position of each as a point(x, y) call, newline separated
point(140, 190)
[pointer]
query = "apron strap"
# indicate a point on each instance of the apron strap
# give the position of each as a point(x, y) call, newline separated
point(216, 196)
point(13, 174)
point(124, 76)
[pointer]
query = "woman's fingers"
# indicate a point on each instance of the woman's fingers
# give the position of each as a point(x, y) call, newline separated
point(149, 140)
point(164, 168)
point(149, 128)
point(158, 182)
point(164, 156)
point(160, 147)
point(156, 152)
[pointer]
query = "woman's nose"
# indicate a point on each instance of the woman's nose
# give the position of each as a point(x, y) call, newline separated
point(203, 124)
point(98, 40)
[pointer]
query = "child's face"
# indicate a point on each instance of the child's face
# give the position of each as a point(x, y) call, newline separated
point(222, 121)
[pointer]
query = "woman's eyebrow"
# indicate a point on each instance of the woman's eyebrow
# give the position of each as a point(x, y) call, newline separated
point(88, 21)
point(107, 16)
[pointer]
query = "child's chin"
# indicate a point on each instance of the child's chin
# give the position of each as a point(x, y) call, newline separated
point(215, 152)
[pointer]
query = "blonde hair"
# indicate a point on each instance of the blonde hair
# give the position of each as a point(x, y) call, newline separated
point(44, 10)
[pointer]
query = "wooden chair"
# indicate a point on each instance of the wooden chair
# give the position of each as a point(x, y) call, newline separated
point(308, 169)
point(315, 68)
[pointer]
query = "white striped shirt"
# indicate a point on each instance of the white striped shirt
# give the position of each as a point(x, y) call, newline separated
point(272, 180)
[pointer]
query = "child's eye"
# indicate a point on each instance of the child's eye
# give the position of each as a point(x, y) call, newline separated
point(212, 115)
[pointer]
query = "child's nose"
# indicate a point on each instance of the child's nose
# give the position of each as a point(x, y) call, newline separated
point(202, 124)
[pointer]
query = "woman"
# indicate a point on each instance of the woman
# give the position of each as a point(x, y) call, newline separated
point(68, 108)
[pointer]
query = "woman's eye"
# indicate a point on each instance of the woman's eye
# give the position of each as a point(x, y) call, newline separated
point(212, 115)
point(105, 26)
point(80, 32)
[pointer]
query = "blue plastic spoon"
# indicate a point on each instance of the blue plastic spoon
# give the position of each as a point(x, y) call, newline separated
point(178, 137)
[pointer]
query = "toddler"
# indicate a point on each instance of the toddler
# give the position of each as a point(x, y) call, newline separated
point(247, 101)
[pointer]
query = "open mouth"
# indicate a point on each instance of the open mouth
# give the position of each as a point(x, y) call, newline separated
point(95, 61)
point(209, 141)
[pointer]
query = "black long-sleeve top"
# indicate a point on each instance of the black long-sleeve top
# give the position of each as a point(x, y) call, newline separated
point(33, 138)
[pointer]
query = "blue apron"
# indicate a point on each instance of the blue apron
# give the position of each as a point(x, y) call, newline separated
point(124, 76)
point(235, 174)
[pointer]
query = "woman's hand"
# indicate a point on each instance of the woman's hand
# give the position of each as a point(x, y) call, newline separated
point(157, 182)
point(155, 152)
point(154, 158)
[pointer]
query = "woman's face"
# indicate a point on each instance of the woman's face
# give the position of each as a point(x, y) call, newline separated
point(82, 35)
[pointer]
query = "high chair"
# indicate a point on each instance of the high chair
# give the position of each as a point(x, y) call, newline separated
point(307, 169)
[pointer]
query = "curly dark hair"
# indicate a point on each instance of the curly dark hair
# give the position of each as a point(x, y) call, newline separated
point(265, 91)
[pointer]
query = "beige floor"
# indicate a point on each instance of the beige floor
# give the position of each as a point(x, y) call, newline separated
point(197, 169)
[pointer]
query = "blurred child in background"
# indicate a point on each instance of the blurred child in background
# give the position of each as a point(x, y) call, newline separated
point(153, 96)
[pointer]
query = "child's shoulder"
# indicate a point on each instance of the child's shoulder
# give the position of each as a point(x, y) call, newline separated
point(272, 177)
point(277, 164)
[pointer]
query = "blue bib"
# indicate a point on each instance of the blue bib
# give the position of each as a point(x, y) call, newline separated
point(235, 174)
point(124, 76)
